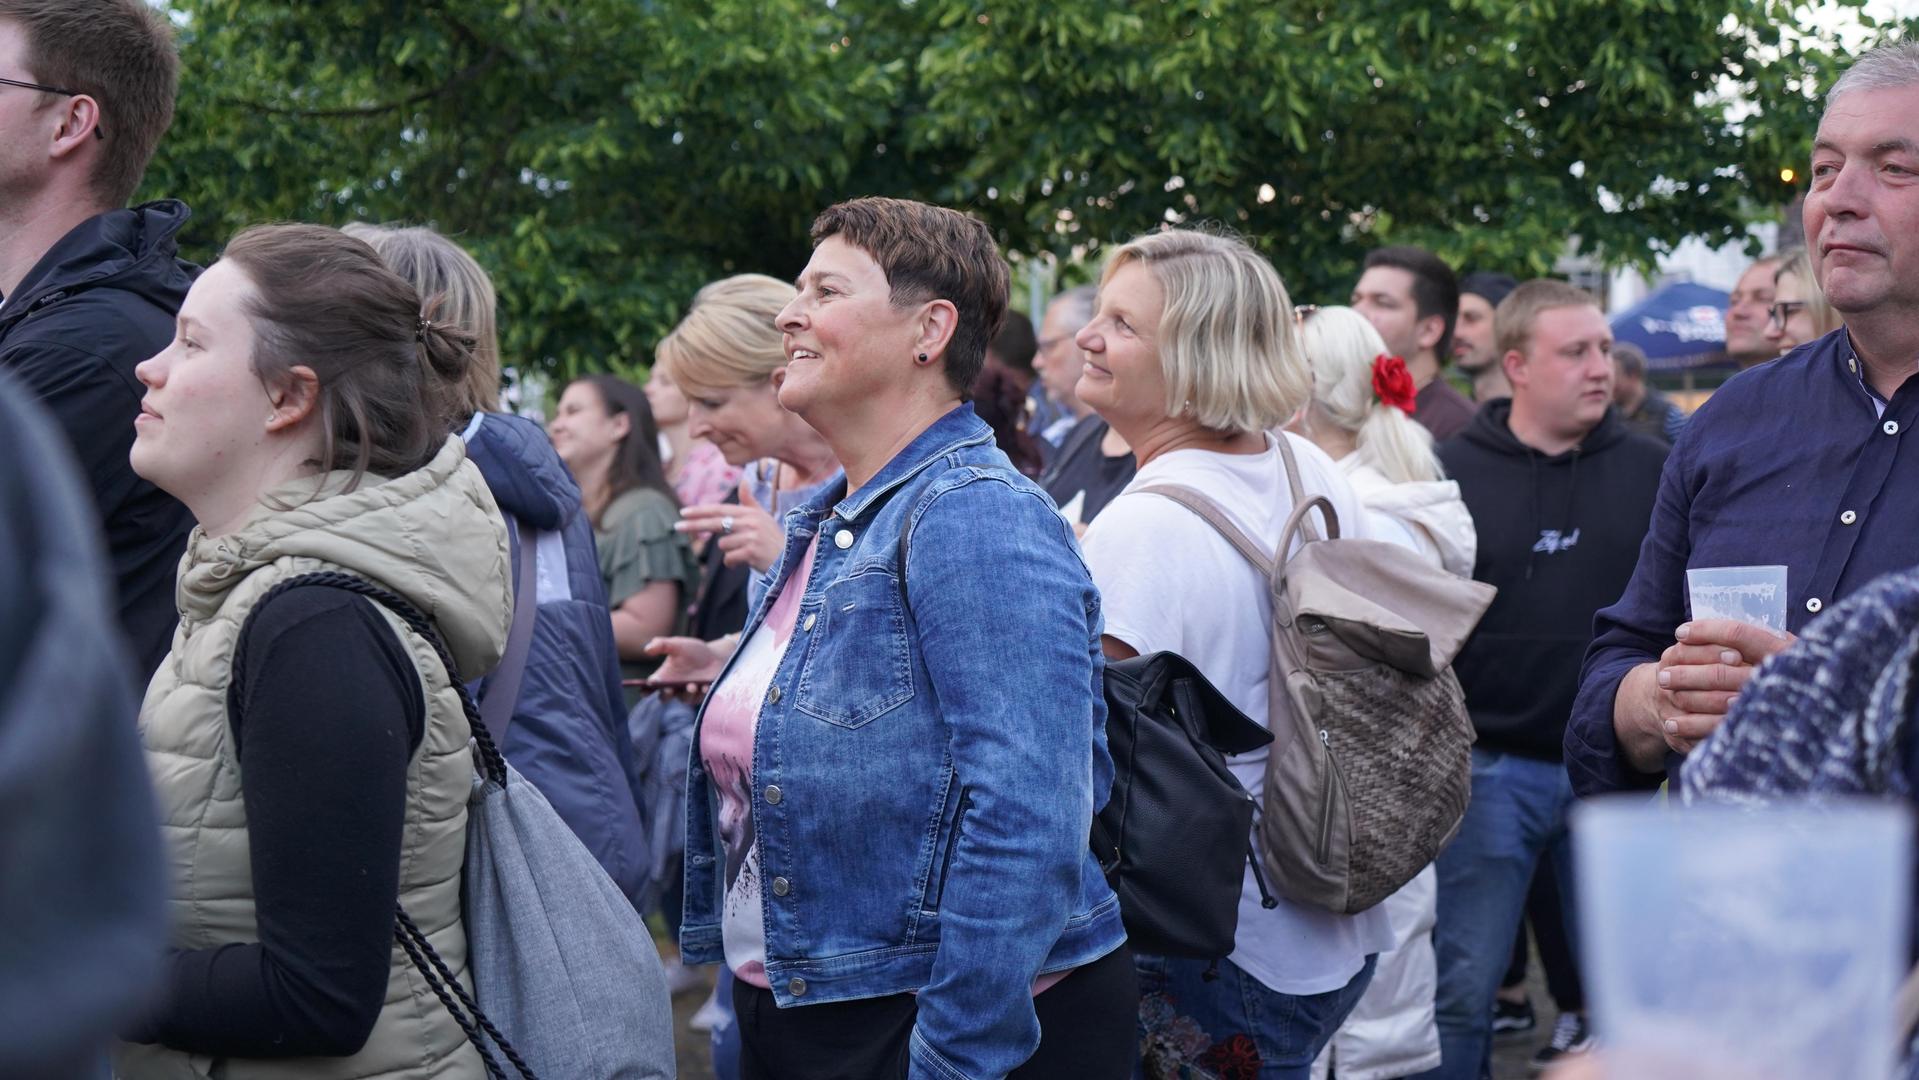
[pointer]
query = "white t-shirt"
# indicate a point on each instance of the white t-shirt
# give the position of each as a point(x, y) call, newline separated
point(1168, 582)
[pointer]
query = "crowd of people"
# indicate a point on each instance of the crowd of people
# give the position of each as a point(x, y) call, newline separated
point(803, 640)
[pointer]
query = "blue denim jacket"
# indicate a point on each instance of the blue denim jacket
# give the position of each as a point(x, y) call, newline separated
point(924, 779)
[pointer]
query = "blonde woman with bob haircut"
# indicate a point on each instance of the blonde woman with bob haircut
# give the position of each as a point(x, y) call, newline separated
point(1361, 414)
point(1193, 358)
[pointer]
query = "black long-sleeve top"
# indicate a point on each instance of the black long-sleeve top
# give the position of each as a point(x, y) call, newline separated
point(327, 709)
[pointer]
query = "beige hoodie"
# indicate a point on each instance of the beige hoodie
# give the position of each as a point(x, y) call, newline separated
point(1431, 514)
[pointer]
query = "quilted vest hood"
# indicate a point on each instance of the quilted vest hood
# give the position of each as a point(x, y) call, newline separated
point(413, 534)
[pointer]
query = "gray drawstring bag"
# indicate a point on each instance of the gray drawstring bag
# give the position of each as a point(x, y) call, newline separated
point(567, 982)
point(562, 964)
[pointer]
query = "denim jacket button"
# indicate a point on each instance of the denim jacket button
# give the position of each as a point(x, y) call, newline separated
point(773, 696)
point(796, 987)
point(843, 539)
point(772, 794)
point(808, 624)
point(781, 886)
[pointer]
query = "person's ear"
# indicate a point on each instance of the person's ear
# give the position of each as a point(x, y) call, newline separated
point(1514, 365)
point(937, 321)
point(1431, 329)
point(79, 125)
point(295, 399)
point(777, 379)
point(622, 425)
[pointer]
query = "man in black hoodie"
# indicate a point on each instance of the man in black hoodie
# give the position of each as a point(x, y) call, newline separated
point(88, 289)
point(1561, 494)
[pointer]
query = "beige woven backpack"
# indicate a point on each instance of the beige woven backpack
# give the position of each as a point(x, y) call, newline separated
point(1370, 768)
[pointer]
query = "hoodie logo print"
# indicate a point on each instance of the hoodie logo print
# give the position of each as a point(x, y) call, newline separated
point(1552, 542)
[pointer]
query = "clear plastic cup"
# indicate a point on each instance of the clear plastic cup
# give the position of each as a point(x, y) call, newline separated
point(1722, 942)
point(1748, 594)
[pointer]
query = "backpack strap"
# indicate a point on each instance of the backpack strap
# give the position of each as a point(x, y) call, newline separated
point(1290, 465)
point(1299, 521)
point(1213, 514)
point(503, 693)
point(465, 1011)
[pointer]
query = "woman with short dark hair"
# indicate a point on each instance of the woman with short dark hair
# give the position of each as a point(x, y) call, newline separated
point(889, 808)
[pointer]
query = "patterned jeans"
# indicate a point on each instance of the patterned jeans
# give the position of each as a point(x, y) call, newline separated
point(1232, 1026)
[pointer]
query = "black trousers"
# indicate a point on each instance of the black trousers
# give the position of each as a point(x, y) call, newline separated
point(1088, 1031)
point(1556, 954)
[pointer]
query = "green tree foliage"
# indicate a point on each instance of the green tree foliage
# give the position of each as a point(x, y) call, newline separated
point(604, 158)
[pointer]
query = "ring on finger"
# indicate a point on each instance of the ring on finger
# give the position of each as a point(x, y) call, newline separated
point(726, 526)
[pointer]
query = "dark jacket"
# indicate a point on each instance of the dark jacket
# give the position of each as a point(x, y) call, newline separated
point(1657, 417)
point(96, 304)
point(569, 729)
point(1558, 536)
point(86, 925)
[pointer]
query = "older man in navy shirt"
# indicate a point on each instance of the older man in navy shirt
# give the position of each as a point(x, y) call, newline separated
point(1808, 461)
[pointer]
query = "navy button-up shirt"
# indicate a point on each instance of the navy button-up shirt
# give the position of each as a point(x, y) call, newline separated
point(1790, 463)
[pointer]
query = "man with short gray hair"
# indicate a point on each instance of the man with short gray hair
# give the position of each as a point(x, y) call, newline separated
point(1058, 360)
point(1802, 462)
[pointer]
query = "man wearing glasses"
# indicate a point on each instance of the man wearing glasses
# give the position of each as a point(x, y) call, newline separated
point(1056, 405)
point(1801, 462)
point(88, 289)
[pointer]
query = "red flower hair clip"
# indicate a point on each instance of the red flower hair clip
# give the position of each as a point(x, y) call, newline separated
point(1393, 383)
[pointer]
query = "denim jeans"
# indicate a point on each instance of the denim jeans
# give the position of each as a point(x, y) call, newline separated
point(1517, 816)
point(1232, 1026)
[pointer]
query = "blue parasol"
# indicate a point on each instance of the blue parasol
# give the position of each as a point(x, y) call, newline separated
point(1680, 325)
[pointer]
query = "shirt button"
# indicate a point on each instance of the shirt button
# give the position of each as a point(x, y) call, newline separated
point(781, 886)
point(796, 987)
point(843, 539)
point(773, 696)
point(1813, 605)
point(772, 794)
point(1848, 518)
point(808, 624)
point(1890, 427)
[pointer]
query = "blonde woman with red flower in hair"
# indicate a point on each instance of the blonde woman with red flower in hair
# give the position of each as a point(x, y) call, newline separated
point(1361, 415)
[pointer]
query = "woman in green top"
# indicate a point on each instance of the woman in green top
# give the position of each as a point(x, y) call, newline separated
point(604, 431)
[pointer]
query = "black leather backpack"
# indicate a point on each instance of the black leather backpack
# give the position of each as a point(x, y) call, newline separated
point(1177, 830)
point(1178, 825)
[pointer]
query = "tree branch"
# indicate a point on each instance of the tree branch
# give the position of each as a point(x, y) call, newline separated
point(458, 78)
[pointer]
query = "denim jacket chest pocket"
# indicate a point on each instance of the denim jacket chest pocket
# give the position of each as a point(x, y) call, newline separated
point(858, 664)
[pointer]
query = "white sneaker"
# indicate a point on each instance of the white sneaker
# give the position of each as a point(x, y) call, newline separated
point(681, 979)
point(709, 1015)
point(1571, 1036)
